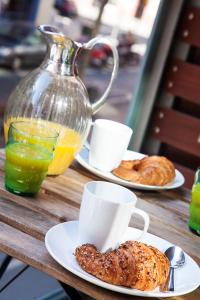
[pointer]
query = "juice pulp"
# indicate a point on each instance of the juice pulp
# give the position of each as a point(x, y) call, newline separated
point(26, 167)
point(194, 220)
point(68, 144)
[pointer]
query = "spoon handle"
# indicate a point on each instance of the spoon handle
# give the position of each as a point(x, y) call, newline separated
point(171, 279)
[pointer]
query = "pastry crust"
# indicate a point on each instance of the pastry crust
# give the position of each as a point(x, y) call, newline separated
point(151, 170)
point(133, 264)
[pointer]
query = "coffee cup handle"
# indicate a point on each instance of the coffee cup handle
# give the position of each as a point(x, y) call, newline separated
point(145, 216)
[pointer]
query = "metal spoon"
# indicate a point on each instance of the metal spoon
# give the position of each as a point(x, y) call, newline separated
point(176, 257)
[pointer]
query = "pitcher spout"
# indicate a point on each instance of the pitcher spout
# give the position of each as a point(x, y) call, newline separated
point(61, 52)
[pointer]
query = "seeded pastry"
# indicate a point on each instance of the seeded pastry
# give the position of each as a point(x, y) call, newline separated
point(133, 264)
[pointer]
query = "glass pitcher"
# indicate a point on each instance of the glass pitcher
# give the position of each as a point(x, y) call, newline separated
point(194, 219)
point(54, 95)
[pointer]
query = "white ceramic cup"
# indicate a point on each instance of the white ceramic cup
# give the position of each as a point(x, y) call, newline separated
point(109, 142)
point(105, 213)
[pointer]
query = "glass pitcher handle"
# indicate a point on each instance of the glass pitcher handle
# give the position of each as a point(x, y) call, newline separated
point(89, 45)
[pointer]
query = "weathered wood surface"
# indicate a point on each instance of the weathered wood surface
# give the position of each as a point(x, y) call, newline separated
point(24, 222)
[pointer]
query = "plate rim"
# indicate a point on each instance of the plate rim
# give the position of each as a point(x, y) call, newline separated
point(120, 289)
point(107, 175)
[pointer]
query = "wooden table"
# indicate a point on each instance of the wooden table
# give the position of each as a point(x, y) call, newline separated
point(24, 222)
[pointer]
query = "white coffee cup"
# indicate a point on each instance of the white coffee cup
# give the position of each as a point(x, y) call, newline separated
point(105, 213)
point(109, 142)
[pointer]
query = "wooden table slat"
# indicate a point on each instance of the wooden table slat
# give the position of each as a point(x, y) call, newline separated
point(24, 219)
point(45, 203)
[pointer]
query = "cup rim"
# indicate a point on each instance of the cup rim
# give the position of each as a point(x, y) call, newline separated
point(123, 126)
point(54, 132)
point(133, 195)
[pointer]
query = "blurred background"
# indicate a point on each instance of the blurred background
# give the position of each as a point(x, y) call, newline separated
point(127, 22)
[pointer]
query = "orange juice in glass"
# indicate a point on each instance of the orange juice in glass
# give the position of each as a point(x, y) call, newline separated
point(68, 144)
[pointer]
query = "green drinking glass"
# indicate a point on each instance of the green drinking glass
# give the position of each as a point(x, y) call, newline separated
point(194, 219)
point(29, 151)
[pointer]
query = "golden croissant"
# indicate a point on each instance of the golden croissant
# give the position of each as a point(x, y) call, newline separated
point(151, 170)
point(133, 264)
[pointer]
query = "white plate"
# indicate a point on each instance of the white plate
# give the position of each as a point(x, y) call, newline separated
point(61, 242)
point(83, 159)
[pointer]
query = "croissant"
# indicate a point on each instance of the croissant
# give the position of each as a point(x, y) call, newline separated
point(151, 170)
point(133, 265)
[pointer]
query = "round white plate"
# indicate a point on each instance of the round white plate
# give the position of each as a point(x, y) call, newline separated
point(61, 242)
point(83, 159)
